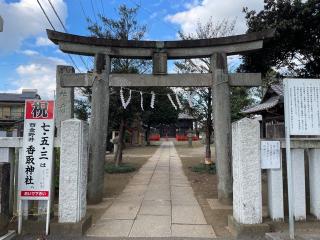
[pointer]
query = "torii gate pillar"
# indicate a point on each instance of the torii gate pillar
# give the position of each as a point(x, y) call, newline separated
point(98, 128)
point(222, 125)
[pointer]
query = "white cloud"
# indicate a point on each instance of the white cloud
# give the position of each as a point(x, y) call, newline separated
point(29, 52)
point(43, 42)
point(24, 19)
point(40, 75)
point(201, 11)
point(192, 4)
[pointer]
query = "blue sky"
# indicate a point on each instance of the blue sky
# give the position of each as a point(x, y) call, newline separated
point(28, 59)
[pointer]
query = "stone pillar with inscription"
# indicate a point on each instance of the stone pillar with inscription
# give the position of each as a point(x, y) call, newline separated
point(247, 195)
point(64, 102)
point(314, 179)
point(73, 171)
point(64, 109)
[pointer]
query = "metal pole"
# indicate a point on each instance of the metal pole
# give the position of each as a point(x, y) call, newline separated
point(289, 164)
point(51, 187)
point(290, 185)
point(48, 216)
point(19, 216)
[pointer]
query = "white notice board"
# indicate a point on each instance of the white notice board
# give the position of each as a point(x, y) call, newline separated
point(303, 106)
point(270, 155)
point(302, 117)
point(35, 169)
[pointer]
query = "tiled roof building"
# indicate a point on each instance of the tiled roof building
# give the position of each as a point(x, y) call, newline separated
point(12, 109)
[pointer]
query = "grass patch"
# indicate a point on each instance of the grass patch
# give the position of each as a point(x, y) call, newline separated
point(204, 168)
point(122, 168)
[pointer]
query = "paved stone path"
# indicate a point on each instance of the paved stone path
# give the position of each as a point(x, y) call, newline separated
point(157, 202)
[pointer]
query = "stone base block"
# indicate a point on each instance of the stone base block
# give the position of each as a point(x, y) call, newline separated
point(32, 227)
point(285, 236)
point(8, 236)
point(71, 229)
point(56, 229)
point(4, 222)
point(241, 230)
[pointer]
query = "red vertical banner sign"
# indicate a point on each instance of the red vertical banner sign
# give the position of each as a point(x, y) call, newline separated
point(35, 169)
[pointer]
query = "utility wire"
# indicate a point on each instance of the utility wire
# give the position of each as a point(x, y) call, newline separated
point(86, 18)
point(44, 12)
point(65, 29)
point(55, 12)
point(99, 9)
point(104, 13)
point(94, 12)
point(83, 12)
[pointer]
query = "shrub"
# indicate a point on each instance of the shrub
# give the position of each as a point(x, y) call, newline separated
point(204, 168)
point(122, 168)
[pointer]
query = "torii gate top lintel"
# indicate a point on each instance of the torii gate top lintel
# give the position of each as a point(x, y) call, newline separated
point(90, 46)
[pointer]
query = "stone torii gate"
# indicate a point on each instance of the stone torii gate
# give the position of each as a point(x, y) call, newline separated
point(217, 49)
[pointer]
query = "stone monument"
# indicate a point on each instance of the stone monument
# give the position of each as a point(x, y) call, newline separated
point(73, 171)
point(247, 197)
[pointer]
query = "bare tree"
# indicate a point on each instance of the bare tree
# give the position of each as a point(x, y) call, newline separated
point(202, 110)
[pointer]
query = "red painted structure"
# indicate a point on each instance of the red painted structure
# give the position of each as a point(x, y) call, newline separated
point(181, 137)
point(154, 137)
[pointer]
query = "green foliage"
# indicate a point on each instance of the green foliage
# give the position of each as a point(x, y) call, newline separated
point(163, 112)
point(126, 27)
point(122, 168)
point(81, 109)
point(127, 136)
point(204, 168)
point(239, 98)
point(295, 46)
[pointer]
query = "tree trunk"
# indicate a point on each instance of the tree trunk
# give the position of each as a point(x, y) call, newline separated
point(118, 155)
point(148, 135)
point(196, 128)
point(208, 129)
